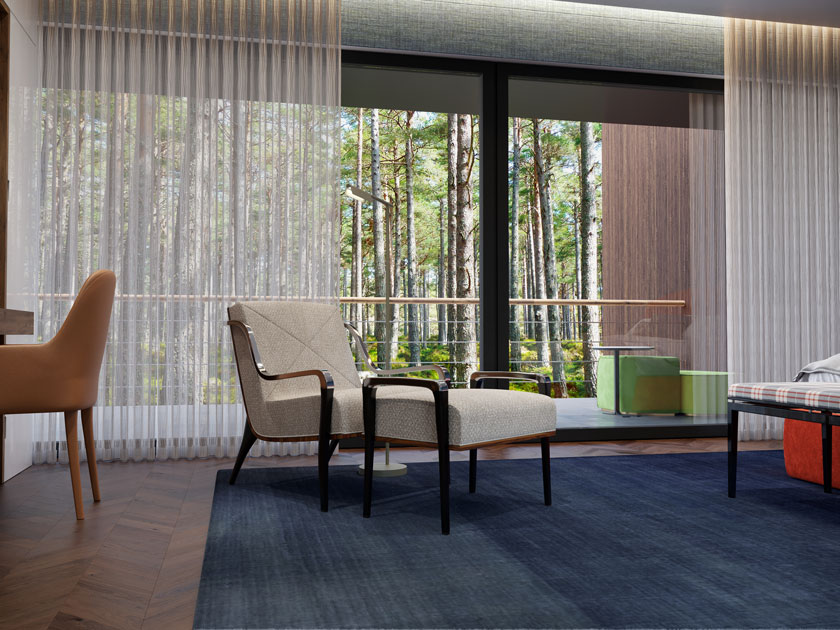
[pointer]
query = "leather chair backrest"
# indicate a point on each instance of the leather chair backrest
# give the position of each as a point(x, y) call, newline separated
point(79, 344)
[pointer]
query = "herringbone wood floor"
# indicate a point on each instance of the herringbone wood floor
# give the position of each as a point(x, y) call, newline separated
point(135, 561)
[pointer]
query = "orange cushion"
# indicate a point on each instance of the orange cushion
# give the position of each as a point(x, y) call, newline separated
point(803, 451)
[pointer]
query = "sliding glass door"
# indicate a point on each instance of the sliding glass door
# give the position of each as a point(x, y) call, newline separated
point(616, 238)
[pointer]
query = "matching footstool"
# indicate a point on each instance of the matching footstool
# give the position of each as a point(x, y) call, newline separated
point(427, 413)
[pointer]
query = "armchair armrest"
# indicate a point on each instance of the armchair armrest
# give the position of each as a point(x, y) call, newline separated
point(543, 382)
point(372, 382)
point(324, 377)
point(443, 373)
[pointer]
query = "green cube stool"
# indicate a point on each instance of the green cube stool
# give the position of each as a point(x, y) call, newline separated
point(704, 393)
point(647, 384)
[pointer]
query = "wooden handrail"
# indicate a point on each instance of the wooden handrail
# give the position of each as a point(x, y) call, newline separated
point(393, 300)
point(513, 302)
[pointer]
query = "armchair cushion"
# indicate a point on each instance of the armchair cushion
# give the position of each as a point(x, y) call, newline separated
point(476, 416)
point(298, 414)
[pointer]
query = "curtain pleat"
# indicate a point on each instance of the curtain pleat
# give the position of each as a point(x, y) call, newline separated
point(707, 234)
point(782, 99)
point(191, 146)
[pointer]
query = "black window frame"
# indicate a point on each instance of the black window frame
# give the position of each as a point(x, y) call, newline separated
point(494, 288)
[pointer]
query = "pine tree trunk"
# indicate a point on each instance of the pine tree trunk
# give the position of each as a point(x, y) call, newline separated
point(380, 329)
point(566, 309)
point(396, 259)
point(589, 253)
point(529, 276)
point(558, 373)
point(452, 228)
point(411, 246)
point(578, 312)
point(441, 278)
point(465, 350)
point(515, 347)
point(540, 312)
point(356, 253)
point(424, 310)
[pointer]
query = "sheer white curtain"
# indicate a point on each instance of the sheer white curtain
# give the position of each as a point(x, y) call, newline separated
point(192, 147)
point(706, 335)
point(782, 99)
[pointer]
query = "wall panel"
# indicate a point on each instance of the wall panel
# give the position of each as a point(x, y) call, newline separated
point(663, 238)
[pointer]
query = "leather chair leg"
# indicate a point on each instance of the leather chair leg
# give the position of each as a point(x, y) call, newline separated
point(87, 431)
point(72, 433)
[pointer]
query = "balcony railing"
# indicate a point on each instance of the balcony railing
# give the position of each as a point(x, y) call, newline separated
point(532, 355)
point(432, 344)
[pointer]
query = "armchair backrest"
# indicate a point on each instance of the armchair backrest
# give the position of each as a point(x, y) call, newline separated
point(291, 337)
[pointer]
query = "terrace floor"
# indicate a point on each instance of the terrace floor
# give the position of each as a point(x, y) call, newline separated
point(580, 419)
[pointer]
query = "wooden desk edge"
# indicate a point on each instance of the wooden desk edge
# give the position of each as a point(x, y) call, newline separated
point(13, 322)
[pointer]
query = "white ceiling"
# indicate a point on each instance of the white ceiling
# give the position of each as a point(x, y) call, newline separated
point(820, 12)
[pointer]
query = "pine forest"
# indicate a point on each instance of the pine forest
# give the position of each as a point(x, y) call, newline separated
point(426, 166)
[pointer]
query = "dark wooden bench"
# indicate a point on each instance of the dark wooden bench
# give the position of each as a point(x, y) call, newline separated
point(810, 402)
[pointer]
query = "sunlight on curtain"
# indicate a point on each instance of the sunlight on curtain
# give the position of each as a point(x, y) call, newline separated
point(192, 147)
point(782, 197)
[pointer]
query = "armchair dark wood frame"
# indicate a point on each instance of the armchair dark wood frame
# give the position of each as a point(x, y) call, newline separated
point(327, 440)
point(440, 391)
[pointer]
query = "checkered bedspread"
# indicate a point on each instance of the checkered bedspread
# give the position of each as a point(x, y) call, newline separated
point(808, 395)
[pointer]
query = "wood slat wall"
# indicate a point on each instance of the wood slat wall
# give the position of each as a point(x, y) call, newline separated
point(648, 234)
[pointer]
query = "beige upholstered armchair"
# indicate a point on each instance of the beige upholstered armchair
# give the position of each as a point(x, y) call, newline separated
point(298, 378)
point(299, 382)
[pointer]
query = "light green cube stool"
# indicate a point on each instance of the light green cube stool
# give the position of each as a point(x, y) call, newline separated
point(704, 393)
point(646, 384)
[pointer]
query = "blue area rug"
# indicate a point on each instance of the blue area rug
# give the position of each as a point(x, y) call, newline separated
point(634, 541)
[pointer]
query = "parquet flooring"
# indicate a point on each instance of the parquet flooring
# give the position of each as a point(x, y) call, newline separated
point(135, 561)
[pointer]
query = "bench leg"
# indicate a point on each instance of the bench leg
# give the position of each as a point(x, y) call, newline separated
point(732, 438)
point(826, 452)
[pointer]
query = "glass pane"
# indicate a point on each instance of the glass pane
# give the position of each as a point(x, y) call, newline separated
point(555, 254)
point(617, 240)
point(425, 165)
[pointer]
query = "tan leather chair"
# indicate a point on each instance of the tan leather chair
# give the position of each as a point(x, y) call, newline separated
point(63, 374)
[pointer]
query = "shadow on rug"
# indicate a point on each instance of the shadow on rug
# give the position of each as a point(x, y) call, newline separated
point(633, 541)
